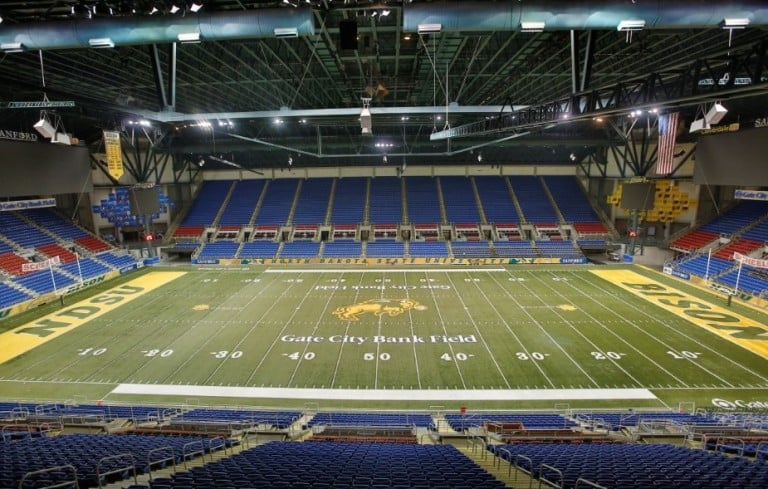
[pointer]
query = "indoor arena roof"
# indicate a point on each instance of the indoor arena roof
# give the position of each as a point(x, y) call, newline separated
point(260, 81)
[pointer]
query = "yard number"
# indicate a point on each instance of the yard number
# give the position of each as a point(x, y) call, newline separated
point(298, 356)
point(604, 355)
point(227, 354)
point(534, 355)
point(461, 357)
point(372, 356)
point(93, 352)
point(471, 279)
point(516, 279)
point(560, 279)
point(157, 353)
point(683, 354)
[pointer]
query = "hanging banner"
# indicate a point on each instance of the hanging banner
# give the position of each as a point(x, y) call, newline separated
point(750, 194)
point(114, 154)
point(748, 260)
point(17, 205)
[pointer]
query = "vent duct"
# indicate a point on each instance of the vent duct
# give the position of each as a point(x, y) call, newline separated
point(461, 16)
point(127, 31)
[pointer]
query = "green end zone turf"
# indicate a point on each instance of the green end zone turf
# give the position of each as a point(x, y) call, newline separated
point(513, 337)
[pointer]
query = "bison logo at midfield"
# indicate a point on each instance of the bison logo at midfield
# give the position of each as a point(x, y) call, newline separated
point(377, 307)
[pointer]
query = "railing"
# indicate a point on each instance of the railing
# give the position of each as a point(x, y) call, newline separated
point(116, 470)
point(216, 443)
point(726, 443)
point(66, 483)
point(584, 482)
point(193, 452)
point(761, 453)
point(151, 461)
point(550, 470)
point(473, 442)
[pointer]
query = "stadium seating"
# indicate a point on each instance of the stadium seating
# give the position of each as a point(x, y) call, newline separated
point(471, 249)
point(738, 245)
point(219, 249)
point(428, 248)
point(348, 201)
point(85, 268)
point(313, 201)
point(10, 295)
point(42, 283)
point(51, 250)
point(12, 263)
point(573, 204)
point(93, 244)
point(757, 233)
point(459, 200)
point(558, 249)
point(536, 207)
point(496, 200)
point(300, 249)
point(515, 249)
point(206, 206)
point(52, 222)
point(259, 249)
point(694, 240)
point(423, 201)
point(461, 422)
point(385, 248)
point(752, 281)
point(342, 248)
point(741, 215)
point(242, 203)
point(698, 266)
point(617, 420)
point(274, 419)
point(276, 205)
point(370, 419)
point(630, 466)
point(386, 201)
point(115, 260)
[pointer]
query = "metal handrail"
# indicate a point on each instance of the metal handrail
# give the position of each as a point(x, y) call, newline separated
point(587, 483)
point(150, 462)
point(123, 456)
point(185, 455)
point(762, 448)
point(551, 469)
point(521, 469)
point(53, 469)
point(730, 442)
point(222, 444)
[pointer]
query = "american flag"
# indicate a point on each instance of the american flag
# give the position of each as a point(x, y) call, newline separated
point(665, 152)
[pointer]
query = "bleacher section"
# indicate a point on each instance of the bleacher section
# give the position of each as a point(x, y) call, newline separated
point(738, 245)
point(428, 249)
point(300, 249)
point(205, 207)
point(423, 201)
point(385, 248)
point(85, 268)
point(752, 281)
point(93, 244)
point(219, 249)
point(460, 422)
point(698, 266)
point(10, 295)
point(694, 240)
point(573, 204)
point(49, 220)
point(630, 466)
point(259, 249)
point(342, 248)
point(534, 202)
point(515, 249)
point(273, 419)
point(471, 249)
point(739, 216)
point(386, 201)
point(242, 203)
point(277, 203)
point(459, 200)
point(11, 263)
point(558, 249)
point(496, 200)
point(348, 201)
point(340, 465)
point(313, 201)
point(42, 283)
point(52, 250)
point(368, 419)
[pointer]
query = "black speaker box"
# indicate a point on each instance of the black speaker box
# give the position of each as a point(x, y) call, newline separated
point(348, 33)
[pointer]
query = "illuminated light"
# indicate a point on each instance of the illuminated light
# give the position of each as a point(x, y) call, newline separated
point(188, 37)
point(196, 6)
point(101, 43)
point(532, 26)
point(630, 25)
point(735, 23)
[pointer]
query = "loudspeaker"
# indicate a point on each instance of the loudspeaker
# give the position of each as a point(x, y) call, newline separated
point(348, 33)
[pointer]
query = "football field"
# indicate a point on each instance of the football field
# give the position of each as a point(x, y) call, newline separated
point(394, 337)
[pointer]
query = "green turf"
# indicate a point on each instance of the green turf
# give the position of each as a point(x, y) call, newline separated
point(520, 328)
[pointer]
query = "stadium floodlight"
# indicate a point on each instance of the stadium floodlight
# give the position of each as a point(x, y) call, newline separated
point(735, 23)
point(62, 138)
point(430, 28)
point(12, 47)
point(715, 114)
point(196, 6)
point(532, 26)
point(45, 128)
point(188, 37)
point(101, 43)
point(286, 32)
point(698, 125)
point(630, 25)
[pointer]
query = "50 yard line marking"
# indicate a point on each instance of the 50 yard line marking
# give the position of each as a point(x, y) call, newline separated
point(346, 333)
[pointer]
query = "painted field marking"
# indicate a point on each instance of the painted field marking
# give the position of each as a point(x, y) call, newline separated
point(383, 394)
point(729, 325)
point(31, 335)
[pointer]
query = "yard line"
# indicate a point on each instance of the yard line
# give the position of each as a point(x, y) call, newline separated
point(445, 330)
point(482, 338)
point(383, 270)
point(346, 333)
point(378, 345)
point(541, 327)
point(642, 311)
point(246, 335)
point(613, 333)
point(413, 333)
point(320, 318)
point(277, 336)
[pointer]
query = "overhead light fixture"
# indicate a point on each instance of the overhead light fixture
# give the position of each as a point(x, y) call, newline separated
point(188, 37)
point(195, 7)
point(62, 138)
point(715, 114)
point(12, 47)
point(735, 23)
point(630, 25)
point(174, 8)
point(286, 32)
point(154, 10)
point(45, 128)
point(384, 13)
point(101, 43)
point(429, 28)
point(532, 26)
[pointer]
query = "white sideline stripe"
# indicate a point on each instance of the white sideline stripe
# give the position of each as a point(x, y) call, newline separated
point(385, 394)
point(383, 270)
